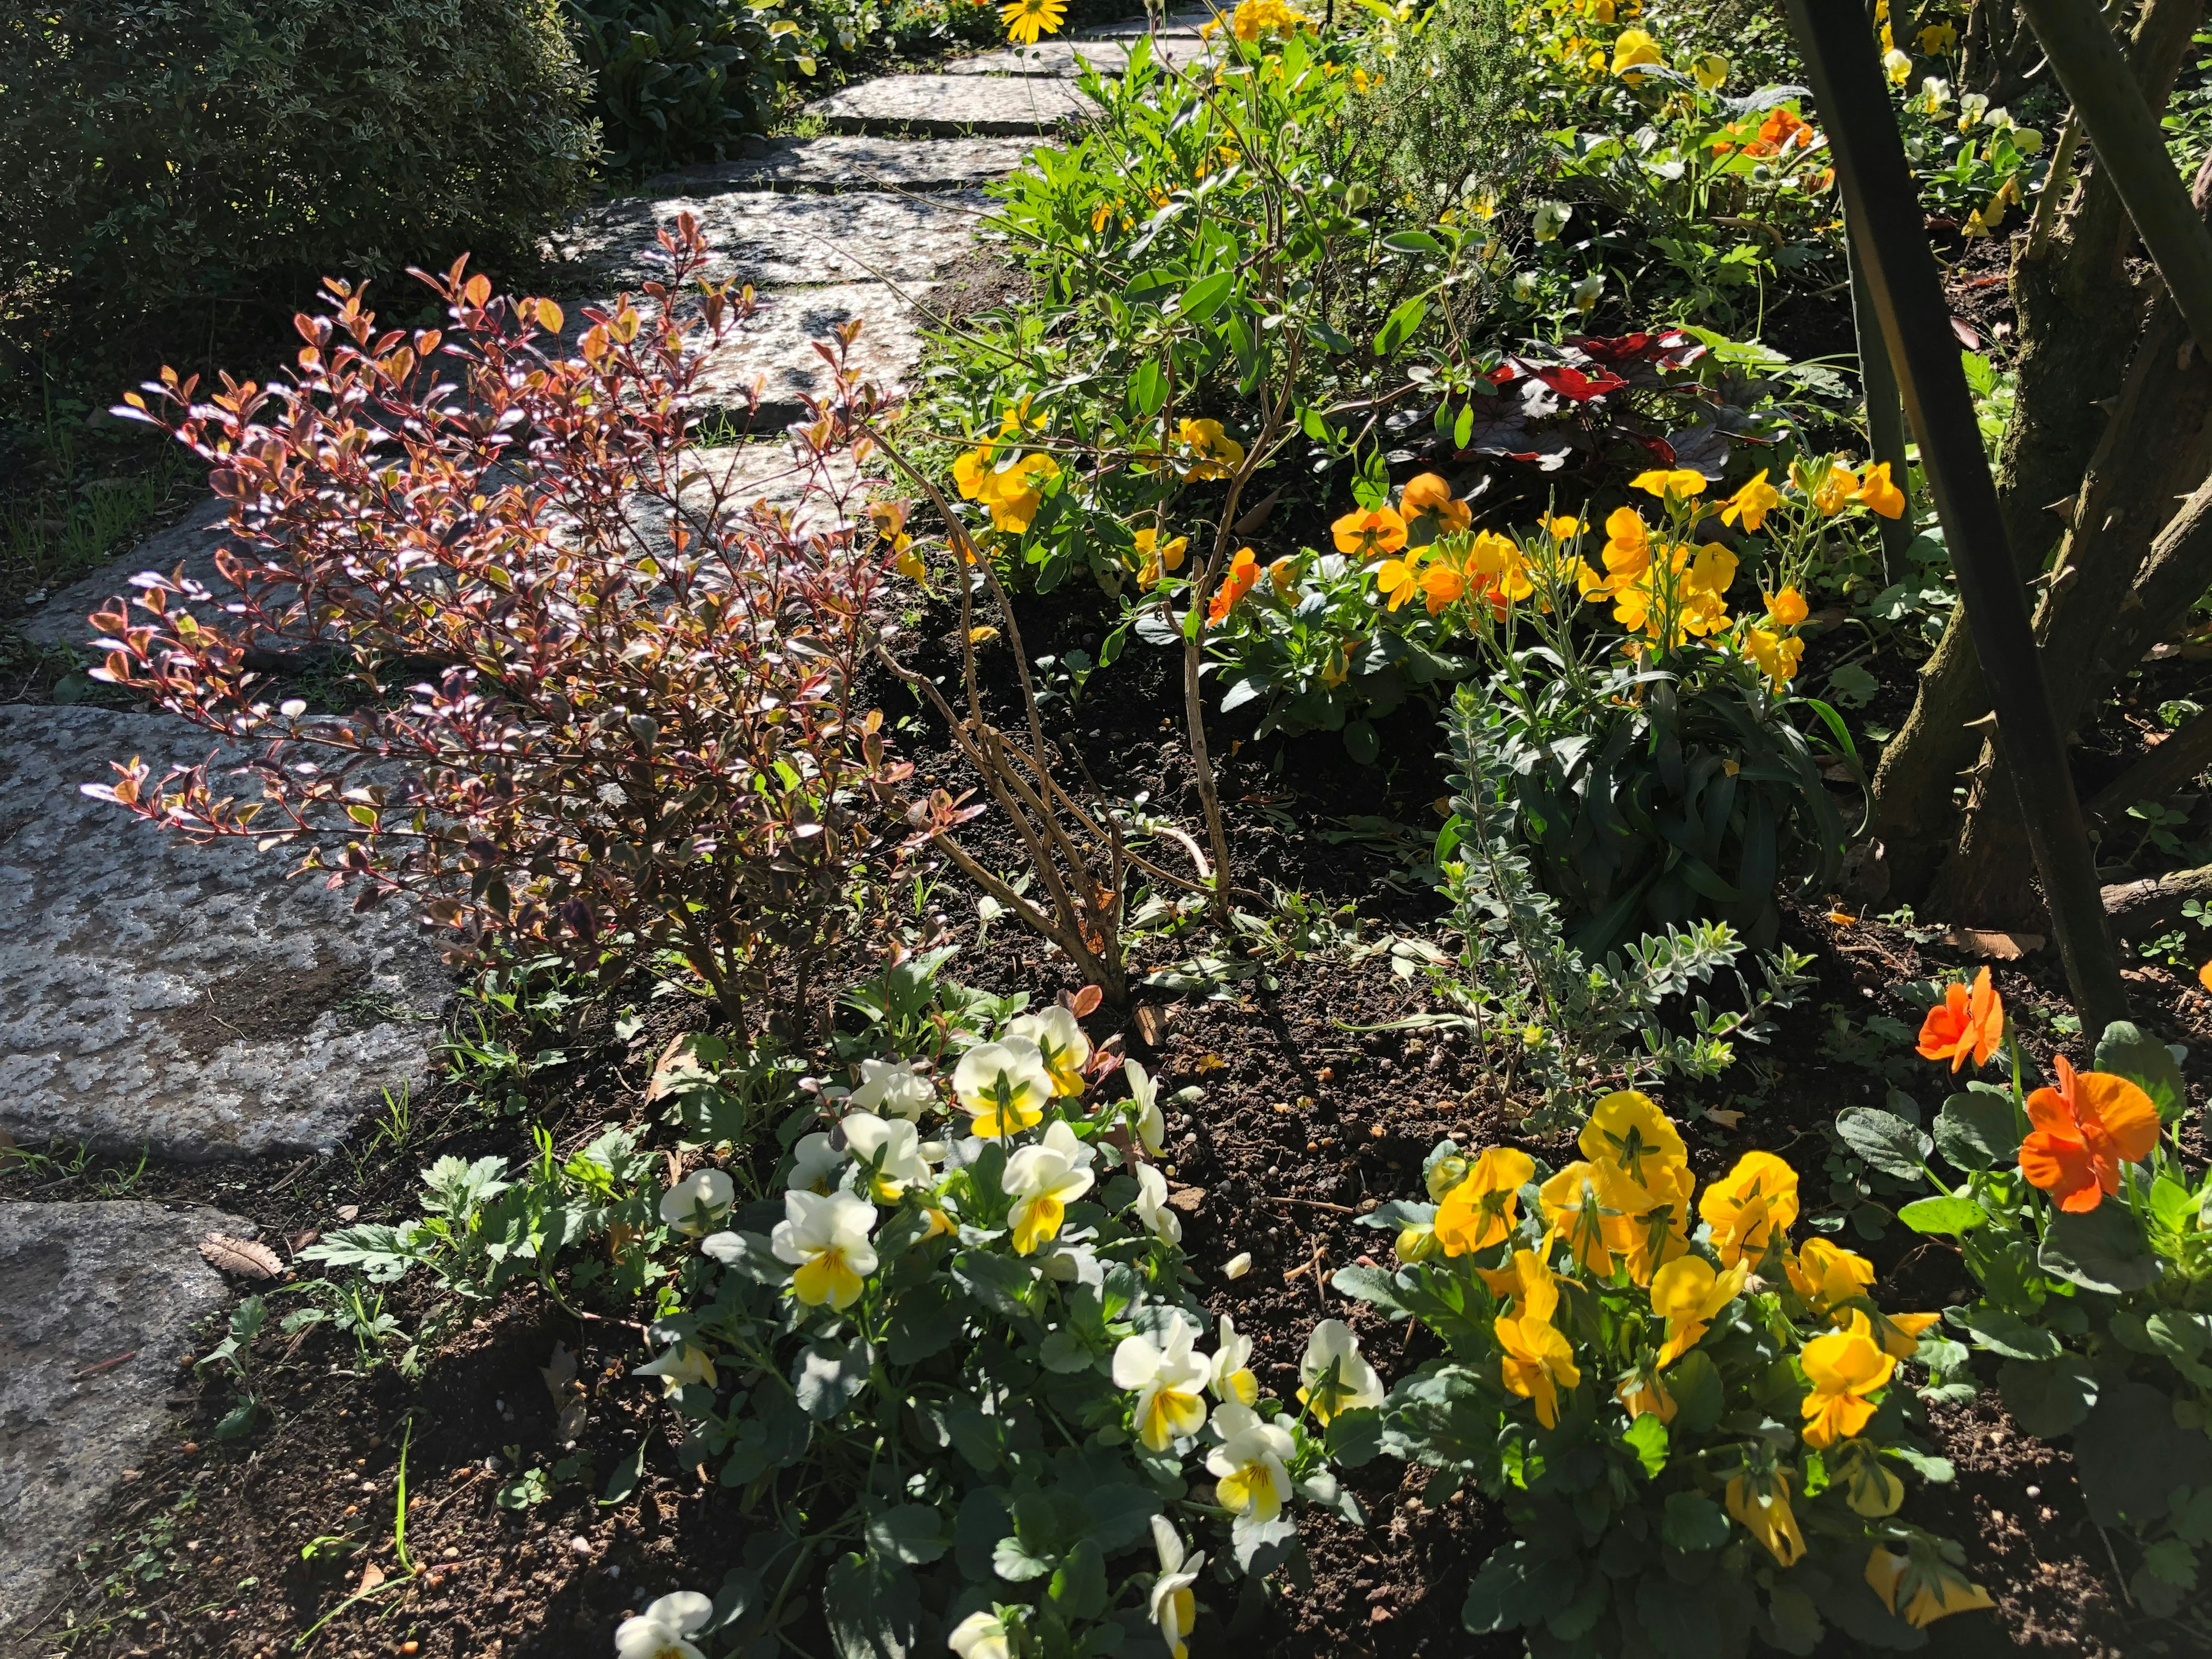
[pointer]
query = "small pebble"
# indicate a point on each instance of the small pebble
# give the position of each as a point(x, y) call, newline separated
point(1237, 1265)
point(2035, 1492)
point(580, 1545)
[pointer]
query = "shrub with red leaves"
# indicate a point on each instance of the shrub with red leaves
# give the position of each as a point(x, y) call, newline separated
point(636, 737)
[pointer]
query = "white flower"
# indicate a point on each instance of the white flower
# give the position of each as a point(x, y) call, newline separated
point(1550, 220)
point(888, 1146)
point(1043, 1180)
point(814, 1164)
point(1174, 1607)
point(1152, 1205)
point(678, 1367)
point(893, 1088)
point(1004, 1086)
point(1232, 1379)
point(1237, 1265)
point(1336, 1376)
point(1151, 1125)
point(697, 1203)
point(827, 1240)
point(1059, 1039)
point(1170, 1383)
point(1251, 1464)
point(978, 1636)
point(661, 1631)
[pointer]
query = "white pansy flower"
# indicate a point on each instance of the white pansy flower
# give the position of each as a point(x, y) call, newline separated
point(1152, 1205)
point(1004, 1086)
point(678, 1367)
point(893, 1088)
point(826, 1239)
point(891, 1148)
point(978, 1636)
point(1232, 1378)
point(1151, 1125)
point(815, 1162)
point(1043, 1180)
point(696, 1204)
point(1334, 1375)
point(1173, 1605)
point(1059, 1037)
point(1251, 1465)
point(1169, 1382)
point(662, 1630)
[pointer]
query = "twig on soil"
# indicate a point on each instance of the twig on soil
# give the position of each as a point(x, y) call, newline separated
point(2113, 1555)
point(1312, 1204)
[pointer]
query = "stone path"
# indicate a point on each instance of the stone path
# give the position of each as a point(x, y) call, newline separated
point(193, 1001)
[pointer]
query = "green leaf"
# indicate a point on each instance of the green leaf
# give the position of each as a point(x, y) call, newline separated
point(2006, 1334)
point(1647, 1437)
point(1693, 1521)
point(827, 1376)
point(2102, 1250)
point(912, 1534)
point(1149, 387)
point(1678, 1619)
point(1943, 1215)
point(1362, 742)
point(1978, 1131)
point(1414, 242)
point(1398, 326)
point(628, 1472)
point(1463, 427)
point(2048, 1398)
point(1080, 1584)
point(2131, 1456)
point(1120, 1512)
point(1203, 297)
point(1012, 1560)
point(1355, 1437)
point(873, 1610)
point(1695, 1383)
point(2128, 1051)
point(1885, 1141)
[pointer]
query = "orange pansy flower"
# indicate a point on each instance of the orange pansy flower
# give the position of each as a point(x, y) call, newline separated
point(1964, 1025)
point(2085, 1129)
point(1369, 534)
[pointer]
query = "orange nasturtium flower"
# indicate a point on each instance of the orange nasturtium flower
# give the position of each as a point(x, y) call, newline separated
point(1844, 1367)
point(1761, 1502)
point(1371, 533)
point(1964, 1025)
point(1750, 1208)
point(1482, 1209)
point(2085, 1129)
point(1752, 502)
point(1876, 491)
point(2204, 976)
point(1235, 582)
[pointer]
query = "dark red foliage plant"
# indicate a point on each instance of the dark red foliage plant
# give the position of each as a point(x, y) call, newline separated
point(607, 707)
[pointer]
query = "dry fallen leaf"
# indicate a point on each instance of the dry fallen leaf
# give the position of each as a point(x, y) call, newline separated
point(1150, 1026)
point(1726, 1120)
point(241, 1256)
point(371, 1577)
point(559, 1371)
point(1991, 944)
point(300, 1241)
point(348, 1212)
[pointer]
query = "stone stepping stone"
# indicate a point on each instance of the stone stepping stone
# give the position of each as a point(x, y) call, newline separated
point(772, 241)
point(777, 348)
point(850, 162)
point(83, 1286)
point(1180, 22)
point(952, 105)
point(1058, 57)
point(190, 999)
point(192, 542)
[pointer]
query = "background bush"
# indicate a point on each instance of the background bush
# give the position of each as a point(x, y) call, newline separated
point(170, 163)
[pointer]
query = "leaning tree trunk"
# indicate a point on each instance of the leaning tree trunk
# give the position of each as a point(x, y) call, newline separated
point(2157, 449)
point(2081, 309)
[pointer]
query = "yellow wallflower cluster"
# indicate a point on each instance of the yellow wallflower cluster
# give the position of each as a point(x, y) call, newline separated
point(1011, 487)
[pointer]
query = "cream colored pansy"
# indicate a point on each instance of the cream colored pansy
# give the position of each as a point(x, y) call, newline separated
point(1173, 1605)
point(826, 1239)
point(695, 1205)
point(1004, 1086)
point(978, 1636)
point(893, 1088)
point(678, 1367)
point(1169, 1382)
point(1251, 1465)
point(1334, 1376)
point(1059, 1038)
point(663, 1630)
point(891, 1148)
point(1149, 1123)
point(815, 1162)
point(1232, 1379)
point(1152, 1205)
point(1043, 1180)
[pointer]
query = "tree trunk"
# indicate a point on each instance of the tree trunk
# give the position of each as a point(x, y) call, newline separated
point(2080, 312)
point(2094, 625)
point(2173, 766)
point(2137, 910)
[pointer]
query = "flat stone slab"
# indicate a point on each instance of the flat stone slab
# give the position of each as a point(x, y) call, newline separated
point(771, 240)
point(953, 104)
point(1058, 57)
point(192, 542)
point(1180, 22)
point(850, 162)
point(188, 999)
point(777, 348)
point(82, 1285)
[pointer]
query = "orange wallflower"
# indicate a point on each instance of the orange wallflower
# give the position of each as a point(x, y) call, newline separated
point(2085, 1129)
point(1964, 1025)
point(1369, 534)
point(1431, 496)
point(1235, 582)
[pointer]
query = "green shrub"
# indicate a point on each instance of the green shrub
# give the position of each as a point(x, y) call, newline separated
point(168, 160)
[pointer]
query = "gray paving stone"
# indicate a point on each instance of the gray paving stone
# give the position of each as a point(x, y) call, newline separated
point(1058, 57)
point(953, 104)
point(191, 542)
point(771, 240)
point(189, 999)
point(777, 348)
point(1187, 22)
point(81, 1285)
point(850, 162)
